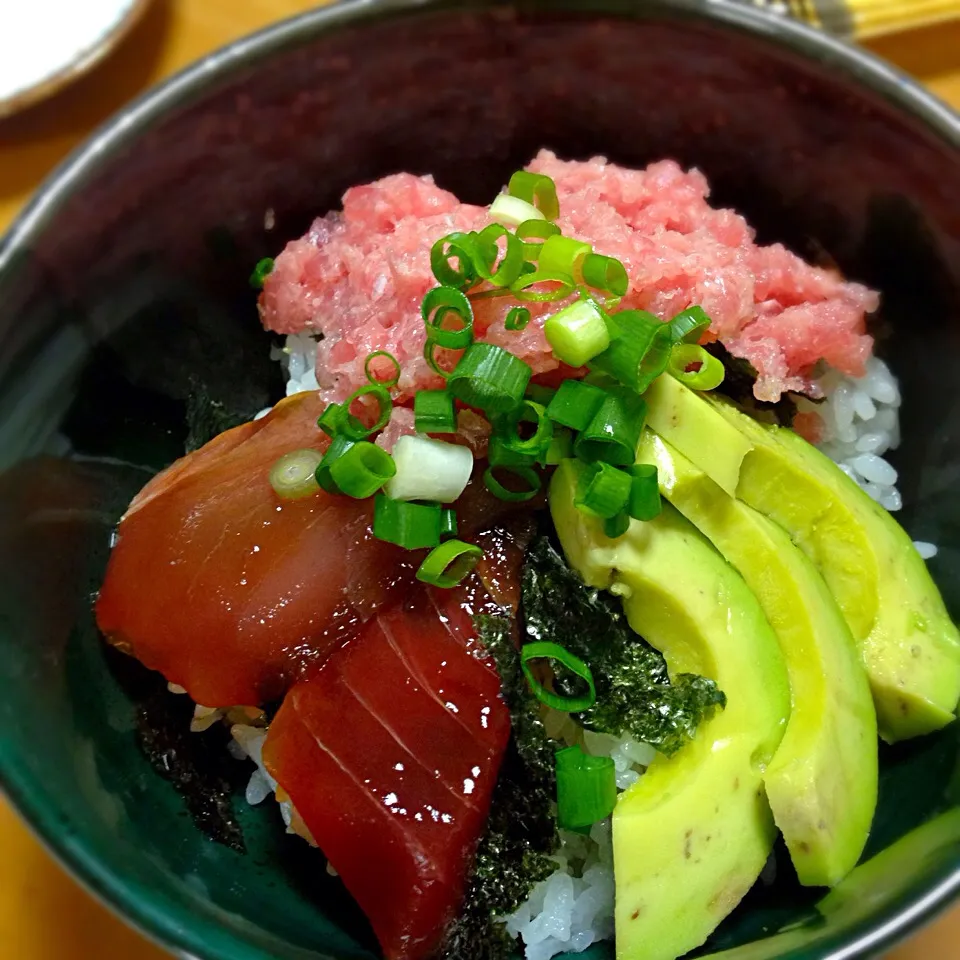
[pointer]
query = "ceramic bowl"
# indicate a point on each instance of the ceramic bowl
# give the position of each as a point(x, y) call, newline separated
point(126, 279)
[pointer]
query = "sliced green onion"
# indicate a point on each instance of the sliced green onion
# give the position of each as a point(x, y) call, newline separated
point(535, 230)
point(499, 454)
point(261, 271)
point(687, 327)
point(616, 527)
point(329, 420)
point(537, 189)
point(512, 211)
point(536, 444)
point(565, 255)
point(351, 426)
point(430, 349)
point(293, 476)
point(362, 470)
point(564, 287)
point(428, 469)
point(340, 445)
point(526, 474)
point(490, 378)
point(561, 448)
point(614, 432)
point(639, 352)
point(408, 525)
point(709, 374)
point(586, 788)
point(437, 305)
point(517, 318)
point(602, 491)
point(575, 404)
point(433, 412)
point(546, 650)
point(373, 378)
point(605, 273)
point(446, 565)
point(577, 333)
point(644, 492)
point(509, 266)
point(448, 522)
point(463, 247)
point(540, 394)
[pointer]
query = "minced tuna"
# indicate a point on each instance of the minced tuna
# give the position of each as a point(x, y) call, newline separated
point(358, 277)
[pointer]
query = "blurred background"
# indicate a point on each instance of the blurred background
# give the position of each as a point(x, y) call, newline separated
point(65, 67)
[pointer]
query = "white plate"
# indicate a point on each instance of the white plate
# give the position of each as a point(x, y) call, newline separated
point(45, 44)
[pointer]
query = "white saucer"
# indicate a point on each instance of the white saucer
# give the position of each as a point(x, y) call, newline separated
point(45, 44)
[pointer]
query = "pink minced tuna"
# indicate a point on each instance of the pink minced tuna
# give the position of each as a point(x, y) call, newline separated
point(358, 276)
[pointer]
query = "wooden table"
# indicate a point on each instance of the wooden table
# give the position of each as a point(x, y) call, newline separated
point(44, 915)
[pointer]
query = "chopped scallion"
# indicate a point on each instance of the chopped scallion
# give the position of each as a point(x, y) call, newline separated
point(586, 788)
point(561, 448)
point(645, 501)
point(605, 273)
point(578, 332)
point(547, 650)
point(340, 445)
point(602, 491)
point(429, 469)
point(499, 454)
point(688, 326)
point(490, 378)
point(448, 564)
point(261, 271)
point(362, 470)
point(409, 525)
point(394, 378)
point(616, 527)
point(512, 211)
point(526, 474)
point(461, 246)
point(614, 432)
point(448, 522)
point(575, 404)
point(639, 352)
point(438, 304)
point(559, 287)
point(351, 426)
point(329, 420)
point(433, 412)
point(533, 233)
point(293, 476)
point(540, 394)
point(696, 368)
point(498, 270)
point(536, 444)
point(517, 318)
point(565, 255)
point(537, 189)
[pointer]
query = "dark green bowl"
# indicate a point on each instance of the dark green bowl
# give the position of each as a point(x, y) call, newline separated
point(127, 277)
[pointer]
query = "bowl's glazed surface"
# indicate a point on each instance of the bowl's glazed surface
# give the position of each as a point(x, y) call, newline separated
point(127, 280)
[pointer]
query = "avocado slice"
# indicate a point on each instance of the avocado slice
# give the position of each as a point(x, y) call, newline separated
point(822, 782)
point(908, 644)
point(692, 835)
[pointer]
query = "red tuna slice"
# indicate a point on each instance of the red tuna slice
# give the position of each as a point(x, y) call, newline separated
point(390, 754)
point(229, 591)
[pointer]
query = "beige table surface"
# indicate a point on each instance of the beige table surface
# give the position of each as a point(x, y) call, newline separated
point(45, 915)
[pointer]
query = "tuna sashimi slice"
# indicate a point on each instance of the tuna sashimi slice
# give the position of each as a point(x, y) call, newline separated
point(230, 592)
point(390, 754)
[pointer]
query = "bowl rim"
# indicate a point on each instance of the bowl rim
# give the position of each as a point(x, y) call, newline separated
point(205, 939)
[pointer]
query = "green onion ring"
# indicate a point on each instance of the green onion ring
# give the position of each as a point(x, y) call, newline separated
point(512, 496)
point(546, 650)
point(394, 380)
point(448, 564)
point(351, 426)
point(437, 304)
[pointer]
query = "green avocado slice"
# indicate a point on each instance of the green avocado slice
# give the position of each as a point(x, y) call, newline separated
point(692, 835)
point(822, 782)
point(908, 644)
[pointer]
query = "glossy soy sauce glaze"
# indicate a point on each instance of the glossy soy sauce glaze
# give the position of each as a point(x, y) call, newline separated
point(121, 287)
